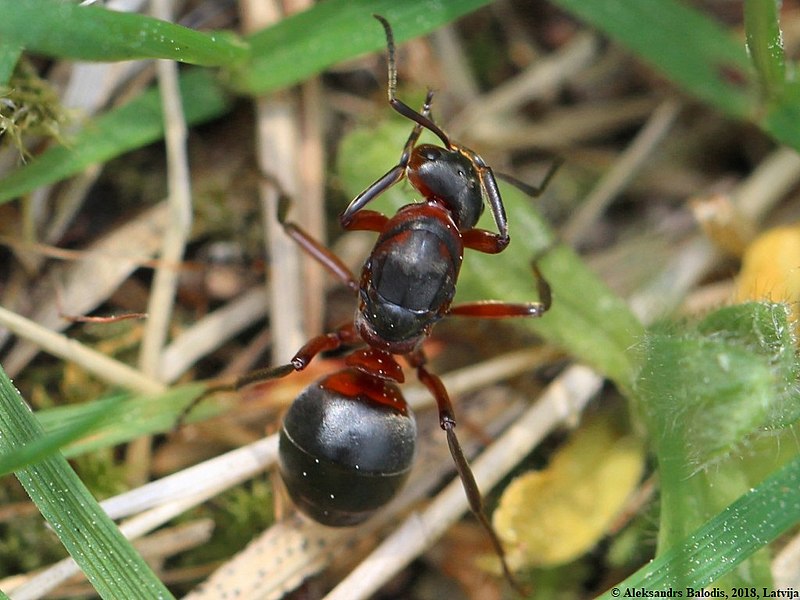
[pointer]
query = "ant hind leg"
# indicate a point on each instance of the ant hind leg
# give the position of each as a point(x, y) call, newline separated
point(448, 423)
point(344, 335)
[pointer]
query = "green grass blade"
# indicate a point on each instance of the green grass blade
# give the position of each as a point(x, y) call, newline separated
point(726, 540)
point(692, 50)
point(9, 55)
point(110, 563)
point(282, 55)
point(765, 44)
point(131, 126)
point(125, 417)
point(67, 30)
point(333, 31)
point(76, 429)
point(705, 60)
point(49, 444)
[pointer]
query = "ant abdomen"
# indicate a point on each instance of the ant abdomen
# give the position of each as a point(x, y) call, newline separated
point(343, 455)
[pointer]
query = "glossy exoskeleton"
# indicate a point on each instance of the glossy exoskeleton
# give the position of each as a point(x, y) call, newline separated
point(346, 447)
point(347, 442)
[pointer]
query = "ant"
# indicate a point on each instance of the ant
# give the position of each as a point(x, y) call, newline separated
point(347, 442)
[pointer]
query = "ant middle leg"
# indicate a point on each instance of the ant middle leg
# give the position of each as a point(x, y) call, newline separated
point(496, 309)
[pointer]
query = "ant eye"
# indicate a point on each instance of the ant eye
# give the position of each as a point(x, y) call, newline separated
point(430, 154)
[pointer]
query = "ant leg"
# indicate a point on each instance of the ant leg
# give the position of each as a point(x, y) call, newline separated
point(368, 220)
point(373, 191)
point(345, 334)
point(394, 175)
point(495, 202)
point(447, 422)
point(485, 241)
point(495, 309)
point(314, 248)
point(534, 190)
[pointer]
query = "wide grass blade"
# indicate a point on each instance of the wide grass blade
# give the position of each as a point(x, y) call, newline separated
point(125, 417)
point(765, 45)
point(131, 126)
point(67, 30)
point(690, 48)
point(48, 445)
point(704, 59)
point(744, 527)
point(282, 55)
point(9, 55)
point(333, 31)
point(110, 563)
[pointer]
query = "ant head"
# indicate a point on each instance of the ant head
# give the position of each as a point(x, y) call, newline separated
point(449, 177)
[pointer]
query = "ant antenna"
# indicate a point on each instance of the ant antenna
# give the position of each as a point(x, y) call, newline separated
point(390, 50)
point(533, 190)
point(399, 105)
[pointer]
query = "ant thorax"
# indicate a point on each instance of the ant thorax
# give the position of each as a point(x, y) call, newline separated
point(409, 279)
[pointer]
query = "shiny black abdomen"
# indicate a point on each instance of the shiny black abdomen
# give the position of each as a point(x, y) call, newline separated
point(343, 455)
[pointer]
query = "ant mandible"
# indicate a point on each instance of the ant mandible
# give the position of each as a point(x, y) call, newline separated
point(347, 442)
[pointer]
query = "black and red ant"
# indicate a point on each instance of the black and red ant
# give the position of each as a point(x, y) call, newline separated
point(347, 442)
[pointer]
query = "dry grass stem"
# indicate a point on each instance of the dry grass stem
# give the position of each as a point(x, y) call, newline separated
point(633, 159)
point(165, 282)
point(211, 331)
point(100, 365)
point(106, 264)
point(541, 79)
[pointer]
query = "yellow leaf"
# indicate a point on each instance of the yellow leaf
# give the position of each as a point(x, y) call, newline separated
point(550, 517)
point(771, 269)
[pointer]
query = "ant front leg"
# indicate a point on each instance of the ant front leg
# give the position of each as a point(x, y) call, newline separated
point(447, 422)
point(367, 220)
point(393, 176)
point(486, 241)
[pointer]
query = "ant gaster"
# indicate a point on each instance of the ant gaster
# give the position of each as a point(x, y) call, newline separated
point(347, 442)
